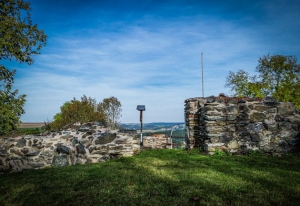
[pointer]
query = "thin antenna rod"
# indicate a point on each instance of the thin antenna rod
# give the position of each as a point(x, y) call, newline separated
point(202, 75)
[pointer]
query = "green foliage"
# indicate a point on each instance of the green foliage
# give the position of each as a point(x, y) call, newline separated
point(19, 37)
point(112, 109)
point(244, 85)
point(19, 40)
point(278, 76)
point(82, 111)
point(221, 153)
point(11, 105)
point(254, 153)
point(28, 131)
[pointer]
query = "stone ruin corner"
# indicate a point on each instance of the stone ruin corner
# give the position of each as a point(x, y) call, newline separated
point(240, 125)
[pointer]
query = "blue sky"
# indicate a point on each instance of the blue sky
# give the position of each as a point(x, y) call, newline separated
point(149, 52)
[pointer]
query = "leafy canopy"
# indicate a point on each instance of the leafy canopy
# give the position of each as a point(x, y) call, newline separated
point(87, 110)
point(84, 110)
point(278, 76)
point(19, 37)
point(19, 40)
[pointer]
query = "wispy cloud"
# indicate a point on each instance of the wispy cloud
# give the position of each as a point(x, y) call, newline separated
point(152, 60)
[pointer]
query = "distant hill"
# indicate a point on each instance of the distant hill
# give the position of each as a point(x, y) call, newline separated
point(161, 126)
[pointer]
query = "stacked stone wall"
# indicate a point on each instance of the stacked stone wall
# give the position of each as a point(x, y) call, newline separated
point(238, 125)
point(157, 141)
point(68, 147)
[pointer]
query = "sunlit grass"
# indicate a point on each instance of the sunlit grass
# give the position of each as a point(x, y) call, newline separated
point(160, 177)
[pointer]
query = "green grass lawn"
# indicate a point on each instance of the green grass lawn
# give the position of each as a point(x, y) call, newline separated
point(160, 177)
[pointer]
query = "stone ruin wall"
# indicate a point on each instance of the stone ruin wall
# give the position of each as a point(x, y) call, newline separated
point(157, 141)
point(68, 147)
point(239, 125)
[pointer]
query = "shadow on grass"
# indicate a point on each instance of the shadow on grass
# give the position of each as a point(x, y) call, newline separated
point(165, 177)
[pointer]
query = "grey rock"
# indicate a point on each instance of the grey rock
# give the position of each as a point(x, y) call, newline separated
point(106, 138)
point(286, 109)
point(210, 99)
point(268, 99)
point(255, 137)
point(33, 154)
point(21, 142)
point(231, 117)
point(294, 142)
point(80, 149)
point(282, 143)
point(47, 153)
point(83, 141)
point(62, 149)
point(232, 101)
point(24, 150)
point(285, 126)
point(84, 129)
point(60, 160)
point(233, 109)
point(224, 138)
point(278, 118)
point(66, 137)
point(91, 148)
point(103, 159)
point(257, 117)
point(255, 127)
point(242, 117)
point(261, 108)
point(74, 141)
point(3, 152)
point(214, 118)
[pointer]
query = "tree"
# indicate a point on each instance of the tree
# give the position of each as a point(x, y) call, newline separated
point(57, 122)
point(82, 111)
point(19, 37)
point(276, 69)
point(11, 105)
point(278, 76)
point(112, 109)
point(244, 85)
point(19, 40)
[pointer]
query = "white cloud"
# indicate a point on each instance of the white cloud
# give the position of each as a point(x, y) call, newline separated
point(158, 67)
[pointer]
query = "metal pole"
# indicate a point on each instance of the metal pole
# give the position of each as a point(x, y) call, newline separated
point(202, 75)
point(141, 120)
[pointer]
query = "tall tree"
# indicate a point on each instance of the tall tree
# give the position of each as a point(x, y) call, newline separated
point(278, 76)
point(19, 40)
point(11, 105)
point(112, 109)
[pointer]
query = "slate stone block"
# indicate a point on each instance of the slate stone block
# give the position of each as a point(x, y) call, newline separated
point(60, 160)
point(106, 138)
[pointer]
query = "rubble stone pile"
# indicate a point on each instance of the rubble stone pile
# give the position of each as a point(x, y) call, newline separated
point(64, 148)
point(238, 125)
